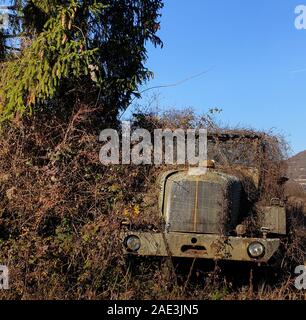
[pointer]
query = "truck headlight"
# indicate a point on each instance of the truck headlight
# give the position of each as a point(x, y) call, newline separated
point(132, 243)
point(256, 249)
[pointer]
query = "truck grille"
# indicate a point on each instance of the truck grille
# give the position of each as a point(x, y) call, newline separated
point(196, 206)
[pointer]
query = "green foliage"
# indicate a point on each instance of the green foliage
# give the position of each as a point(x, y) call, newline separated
point(97, 47)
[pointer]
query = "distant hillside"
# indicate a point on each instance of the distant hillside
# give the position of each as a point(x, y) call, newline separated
point(297, 168)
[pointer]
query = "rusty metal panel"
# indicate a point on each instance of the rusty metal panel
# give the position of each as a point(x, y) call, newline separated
point(209, 216)
point(161, 182)
point(195, 206)
point(274, 219)
point(207, 203)
point(202, 246)
point(182, 205)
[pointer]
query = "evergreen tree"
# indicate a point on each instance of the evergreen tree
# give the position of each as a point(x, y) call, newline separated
point(76, 50)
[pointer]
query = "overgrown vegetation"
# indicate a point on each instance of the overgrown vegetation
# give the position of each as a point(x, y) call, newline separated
point(74, 66)
point(60, 215)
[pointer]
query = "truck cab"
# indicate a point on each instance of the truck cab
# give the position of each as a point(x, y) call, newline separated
point(206, 212)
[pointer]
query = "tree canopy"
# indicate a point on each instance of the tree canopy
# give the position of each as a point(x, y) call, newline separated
point(90, 51)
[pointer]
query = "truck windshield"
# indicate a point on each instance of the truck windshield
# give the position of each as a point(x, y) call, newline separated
point(234, 152)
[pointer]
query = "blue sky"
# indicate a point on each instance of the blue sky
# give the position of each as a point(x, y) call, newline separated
point(255, 52)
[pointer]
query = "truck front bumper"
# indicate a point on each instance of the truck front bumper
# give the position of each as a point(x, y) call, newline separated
point(202, 246)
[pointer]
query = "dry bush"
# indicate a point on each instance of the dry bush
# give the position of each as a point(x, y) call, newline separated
point(296, 193)
point(60, 209)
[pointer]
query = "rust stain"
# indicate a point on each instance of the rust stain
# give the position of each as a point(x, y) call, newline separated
point(207, 247)
point(196, 253)
point(195, 215)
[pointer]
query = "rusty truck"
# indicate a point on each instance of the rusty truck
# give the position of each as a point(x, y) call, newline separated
point(207, 216)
